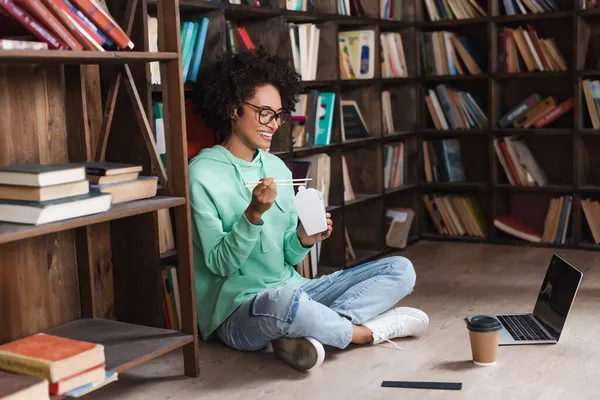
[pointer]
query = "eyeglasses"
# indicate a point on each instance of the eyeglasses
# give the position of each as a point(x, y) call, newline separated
point(266, 115)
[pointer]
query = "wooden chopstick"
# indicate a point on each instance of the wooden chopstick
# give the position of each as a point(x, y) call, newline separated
point(283, 182)
point(279, 184)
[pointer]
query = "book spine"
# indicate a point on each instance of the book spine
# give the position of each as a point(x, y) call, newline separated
point(37, 29)
point(39, 11)
point(445, 103)
point(554, 114)
point(562, 220)
point(197, 60)
point(6, 44)
point(54, 8)
point(453, 160)
point(104, 22)
point(519, 110)
point(188, 50)
point(25, 365)
point(89, 27)
point(245, 38)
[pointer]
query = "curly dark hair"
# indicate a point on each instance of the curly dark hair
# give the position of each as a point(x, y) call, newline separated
point(234, 78)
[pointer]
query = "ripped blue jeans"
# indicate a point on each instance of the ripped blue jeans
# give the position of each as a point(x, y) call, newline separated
point(324, 308)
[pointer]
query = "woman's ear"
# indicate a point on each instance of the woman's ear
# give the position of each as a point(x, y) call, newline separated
point(235, 114)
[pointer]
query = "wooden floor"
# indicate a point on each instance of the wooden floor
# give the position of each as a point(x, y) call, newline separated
point(453, 279)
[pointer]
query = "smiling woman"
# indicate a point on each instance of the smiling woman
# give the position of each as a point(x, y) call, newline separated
point(247, 238)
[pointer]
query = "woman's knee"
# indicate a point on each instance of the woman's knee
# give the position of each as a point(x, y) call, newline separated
point(402, 268)
point(279, 303)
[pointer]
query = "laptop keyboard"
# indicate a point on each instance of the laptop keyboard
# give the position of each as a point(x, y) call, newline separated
point(522, 327)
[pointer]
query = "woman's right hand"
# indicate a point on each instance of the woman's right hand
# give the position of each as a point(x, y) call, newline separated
point(263, 196)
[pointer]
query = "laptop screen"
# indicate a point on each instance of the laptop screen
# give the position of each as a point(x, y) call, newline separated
point(556, 295)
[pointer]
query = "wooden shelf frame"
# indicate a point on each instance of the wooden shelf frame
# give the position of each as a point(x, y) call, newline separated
point(492, 187)
point(411, 194)
point(85, 305)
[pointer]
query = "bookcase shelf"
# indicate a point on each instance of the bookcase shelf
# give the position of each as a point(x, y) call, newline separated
point(533, 17)
point(539, 189)
point(12, 232)
point(533, 131)
point(535, 74)
point(82, 57)
point(453, 22)
point(126, 345)
point(98, 278)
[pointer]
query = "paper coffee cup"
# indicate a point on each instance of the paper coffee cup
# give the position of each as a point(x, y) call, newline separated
point(484, 333)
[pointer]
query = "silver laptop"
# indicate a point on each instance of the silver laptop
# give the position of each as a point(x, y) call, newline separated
point(552, 307)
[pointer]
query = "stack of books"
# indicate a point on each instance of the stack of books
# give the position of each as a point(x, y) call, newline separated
point(62, 25)
point(313, 119)
point(518, 163)
point(548, 222)
point(442, 53)
point(122, 181)
point(450, 108)
point(514, 7)
point(193, 39)
point(394, 165)
point(356, 54)
point(38, 194)
point(526, 50)
point(305, 49)
point(442, 161)
point(535, 111)
point(392, 54)
point(41, 365)
point(455, 215)
point(458, 9)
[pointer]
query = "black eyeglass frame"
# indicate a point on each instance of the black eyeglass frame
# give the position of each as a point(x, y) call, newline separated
point(260, 109)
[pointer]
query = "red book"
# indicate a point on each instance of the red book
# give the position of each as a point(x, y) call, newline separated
point(516, 227)
point(246, 38)
point(554, 114)
point(105, 22)
point(52, 5)
point(92, 36)
point(50, 357)
point(95, 374)
point(511, 165)
point(39, 11)
point(538, 47)
point(37, 29)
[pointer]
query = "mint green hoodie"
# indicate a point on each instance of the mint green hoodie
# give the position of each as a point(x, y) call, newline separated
point(234, 259)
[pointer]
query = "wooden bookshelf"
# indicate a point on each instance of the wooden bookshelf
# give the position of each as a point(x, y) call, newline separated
point(98, 277)
point(557, 147)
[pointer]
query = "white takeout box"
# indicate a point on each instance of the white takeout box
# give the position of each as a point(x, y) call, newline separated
point(310, 207)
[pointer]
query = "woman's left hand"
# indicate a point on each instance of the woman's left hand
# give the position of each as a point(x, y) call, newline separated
point(318, 237)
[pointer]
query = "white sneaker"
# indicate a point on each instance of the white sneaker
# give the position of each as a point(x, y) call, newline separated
point(397, 322)
point(303, 353)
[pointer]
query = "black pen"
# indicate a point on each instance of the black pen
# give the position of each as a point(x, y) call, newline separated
point(423, 385)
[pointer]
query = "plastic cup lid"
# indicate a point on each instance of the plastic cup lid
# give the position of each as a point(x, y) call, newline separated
point(484, 323)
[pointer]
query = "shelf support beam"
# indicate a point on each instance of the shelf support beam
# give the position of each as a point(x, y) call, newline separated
point(113, 91)
point(142, 119)
point(169, 38)
point(93, 244)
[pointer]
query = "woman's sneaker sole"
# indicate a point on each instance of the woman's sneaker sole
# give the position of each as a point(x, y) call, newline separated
point(303, 353)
